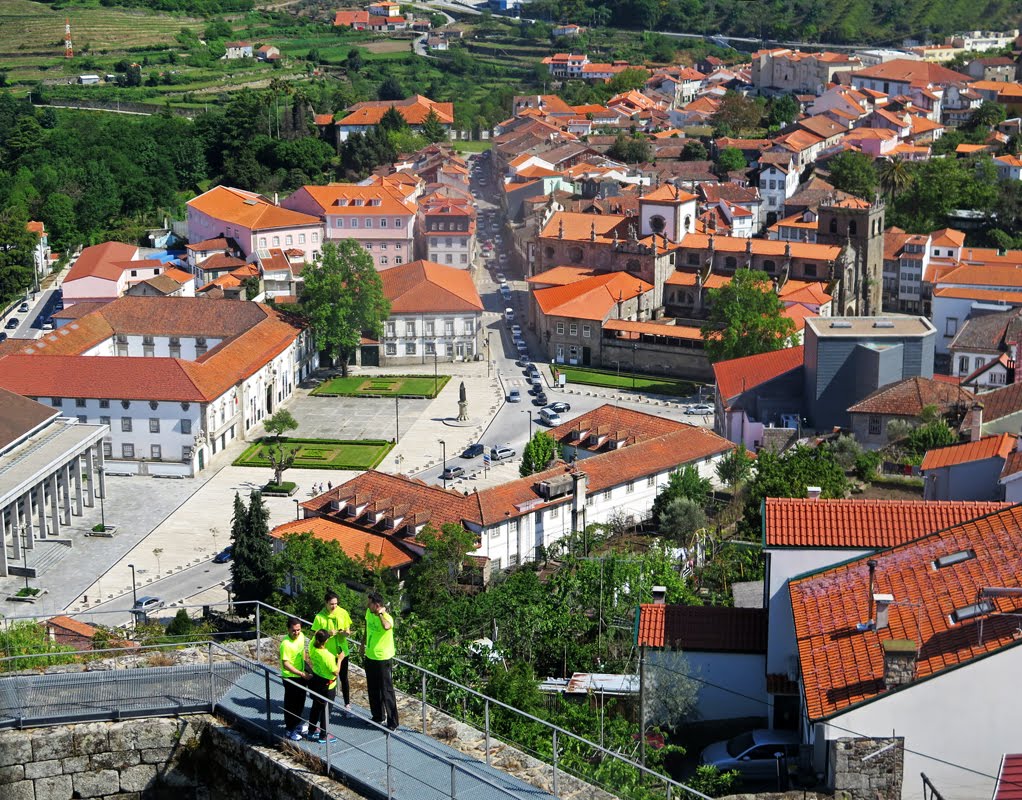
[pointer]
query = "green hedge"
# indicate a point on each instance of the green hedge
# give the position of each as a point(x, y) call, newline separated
point(357, 454)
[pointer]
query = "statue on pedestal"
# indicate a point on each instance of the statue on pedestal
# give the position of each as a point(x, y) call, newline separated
point(462, 404)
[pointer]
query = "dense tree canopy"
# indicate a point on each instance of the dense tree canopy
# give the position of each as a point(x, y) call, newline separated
point(746, 318)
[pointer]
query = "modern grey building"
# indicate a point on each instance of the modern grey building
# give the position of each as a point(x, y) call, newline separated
point(847, 358)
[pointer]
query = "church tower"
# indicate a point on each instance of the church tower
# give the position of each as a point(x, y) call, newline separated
point(667, 211)
point(858, 226)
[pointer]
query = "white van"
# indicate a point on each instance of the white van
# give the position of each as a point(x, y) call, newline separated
point(550, 417)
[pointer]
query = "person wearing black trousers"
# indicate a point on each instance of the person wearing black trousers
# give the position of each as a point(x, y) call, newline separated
point(379, 662)
point(294, 676)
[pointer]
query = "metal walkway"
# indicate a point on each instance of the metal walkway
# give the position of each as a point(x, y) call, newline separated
point(405, 765)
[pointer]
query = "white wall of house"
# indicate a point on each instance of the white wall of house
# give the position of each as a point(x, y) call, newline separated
point(413, 338)
point(731, 685)
point(452, 251)
point(950, 313)
point(782, 565)
point(307, 238)
point(776, 186)
point(966, 716)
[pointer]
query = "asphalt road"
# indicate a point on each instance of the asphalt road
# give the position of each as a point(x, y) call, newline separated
point(30, 323)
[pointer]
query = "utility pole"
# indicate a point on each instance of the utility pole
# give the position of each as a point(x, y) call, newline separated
point(642, 705)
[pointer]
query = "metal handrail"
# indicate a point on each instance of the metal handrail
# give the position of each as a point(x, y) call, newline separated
point(555, 730)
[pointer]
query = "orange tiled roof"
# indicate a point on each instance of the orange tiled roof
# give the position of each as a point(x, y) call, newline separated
point(628, 326)
point(626, 425)
point(562, 276)
point(355, 542)
point(862, 524)
point(578, 227)
point(712, 281)
point(415, 109)
point(764, 247)
point(702, 628)
point(910, 396)
point(248, 209)
point(738, 375)
point(351, 198)
point(668, 192)
point(100, 261)
point(424, 287)
point(905, 70)
point(72, 625)
point(219, 243)
point(590, 298)
point(842, 667)
point(35, 227)
point(998, 446)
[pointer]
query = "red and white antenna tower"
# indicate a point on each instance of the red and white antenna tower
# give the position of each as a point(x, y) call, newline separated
point(69, 51)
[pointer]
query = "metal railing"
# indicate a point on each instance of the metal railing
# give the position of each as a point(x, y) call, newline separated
point(558, 736)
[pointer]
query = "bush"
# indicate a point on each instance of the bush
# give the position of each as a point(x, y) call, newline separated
point(181, 625)
point(866, 465)
point(286, 486)
point(846, 451)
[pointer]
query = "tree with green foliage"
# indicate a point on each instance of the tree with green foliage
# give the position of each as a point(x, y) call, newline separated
point(746, 318)
point(685, 483)
point(392, 120)
point(354, 61)
point(181, 626)
point(986, 116)
point(694, 150)
point(281, 458)
point(537, 454)
point(391, 89)
point(790, 473)
point(627, 80)
point(735, 467)
point(633, 149)
point(854, 173)
point(432, 129)
point(16, 254)
point(737, 113)
point(343, 299)
point(894, 176)
point(929, 436)
point(445, 552)
point(251, 554)
point(730, 159)
point(782, 110)
point(307, 567)
point(712, 782)
point(680, 519)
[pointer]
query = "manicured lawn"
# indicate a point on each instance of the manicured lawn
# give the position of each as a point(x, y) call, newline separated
point(646, 383)
point(382, 386)
point(467, 146)
point(321, 453)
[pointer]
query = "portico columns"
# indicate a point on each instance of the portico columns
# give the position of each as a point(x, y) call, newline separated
point(65, 493)
point(102, 470)
point(40, 508)
point(76, 465)
point(90, 470)
point(54, 505)
point(26, 521)
point(3, 542)
point(16, 528)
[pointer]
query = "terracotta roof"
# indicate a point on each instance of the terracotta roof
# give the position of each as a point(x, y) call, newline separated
point(579, 227)
point(219, 243)
point(590, 298)
point(561, 276)
point(998, 446)
point(355, 542)
point(905, 70)
point(702, 628)
point(1009, 779)
point(668, 192)
point(219, 262)
point(424, 286)
point(72, 625)
point(842, 667)
point(738, 375)
point(617, 423)
point(670, 330)
point(861, 524)
point(1002, 402)
point(79, 310)
point(765, 247)
point(38, 228)
point(910, 396)
point(351, 198)
point(100, 260)
point(414, 109)
point(248, 209)
point(1012, 298)
point(988, 332)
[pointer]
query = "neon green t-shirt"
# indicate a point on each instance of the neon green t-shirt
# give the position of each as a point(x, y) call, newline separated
point(324, 663)
point(337, 620)
point(379, 642)
point(293, 651)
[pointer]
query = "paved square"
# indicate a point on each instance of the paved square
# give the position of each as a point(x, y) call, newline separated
point(352, 417)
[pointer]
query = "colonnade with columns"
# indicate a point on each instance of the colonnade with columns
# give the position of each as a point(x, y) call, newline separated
point(48, 502)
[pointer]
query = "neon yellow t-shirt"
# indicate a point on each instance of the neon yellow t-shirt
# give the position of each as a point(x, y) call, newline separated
point(337, 620)
point(379, 642)
point(324, 664)
point(292, 651)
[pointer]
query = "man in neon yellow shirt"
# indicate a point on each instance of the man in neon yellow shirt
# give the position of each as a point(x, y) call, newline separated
point(379, 662)
point(337, 621)
point(294, 676)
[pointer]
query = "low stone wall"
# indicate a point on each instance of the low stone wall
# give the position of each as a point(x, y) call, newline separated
point(867, 768)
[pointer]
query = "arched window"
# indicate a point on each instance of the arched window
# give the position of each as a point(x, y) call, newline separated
point(730, 262)
point(833, 226)
point(688, 223)
point(769, 266)
point(548, 252)
point(575, 254)
point(657, 223)
point(853, 228)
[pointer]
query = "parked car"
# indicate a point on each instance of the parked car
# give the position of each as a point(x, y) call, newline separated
point(523, 361)
point(514, 396)
point(3, 336)
point(224, 555)
point(516, 330)
point(753, 754)
point(559, 407)
point(501, 453)
point(23, 308)
point(523, 348)
point(549, 416)
point(533, 371)
point(147, 604)
point(505, 292)
point(473, 451)
point(699, 408)
point(12, 323)
point(536, 388)
point(451, 473)
point(540, 399)
point(509, 316)
point(48, 324)
point(501, 278)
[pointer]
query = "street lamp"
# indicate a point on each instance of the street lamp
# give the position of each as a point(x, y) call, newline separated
point(25, 533)
point(102, 495)
point(635, 349)
point(529, 412)
point(134, 596)
point(435, 377)
point(297, 512)
point(443, 475)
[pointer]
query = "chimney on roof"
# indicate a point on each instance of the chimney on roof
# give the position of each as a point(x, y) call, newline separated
point(659, 595)
point(882, 603)
point(872, 564)
point(900, 657)
point(276, 199)
point(813, 492)
point(976, 429)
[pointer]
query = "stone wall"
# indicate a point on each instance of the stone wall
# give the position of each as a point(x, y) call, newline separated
point(876, 778)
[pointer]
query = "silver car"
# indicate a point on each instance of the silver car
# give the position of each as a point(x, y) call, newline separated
point(754, 754)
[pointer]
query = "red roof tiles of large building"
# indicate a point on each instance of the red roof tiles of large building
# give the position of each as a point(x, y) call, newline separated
point(426, 287)
point(414, 109)
point(997, 446)
point(910, 396)
point(100, 261)
point(356, 543)
point(906, 70)
point(862, 524)
point(842, 666)
point(702, 628)
point(614, 423)
point(738, 375)
point(248, 209)
point(590, 298)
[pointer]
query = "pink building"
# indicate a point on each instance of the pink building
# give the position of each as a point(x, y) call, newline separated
point(253, 222)
point(380, 217)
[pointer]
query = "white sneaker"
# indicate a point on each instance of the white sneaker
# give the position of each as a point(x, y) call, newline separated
point(304, 730)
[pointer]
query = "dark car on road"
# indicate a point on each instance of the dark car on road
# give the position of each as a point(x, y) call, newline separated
point(559, 408)
point(473, 450)
point(540, 399)
point(12, 323)
point(224, 555)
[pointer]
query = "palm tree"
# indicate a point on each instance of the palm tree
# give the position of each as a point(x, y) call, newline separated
point(894, 176)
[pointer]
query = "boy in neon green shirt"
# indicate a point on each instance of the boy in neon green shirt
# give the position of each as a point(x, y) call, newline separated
point(379, 662)
point(323, 683)
point(294, 676)
point(337, 622)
